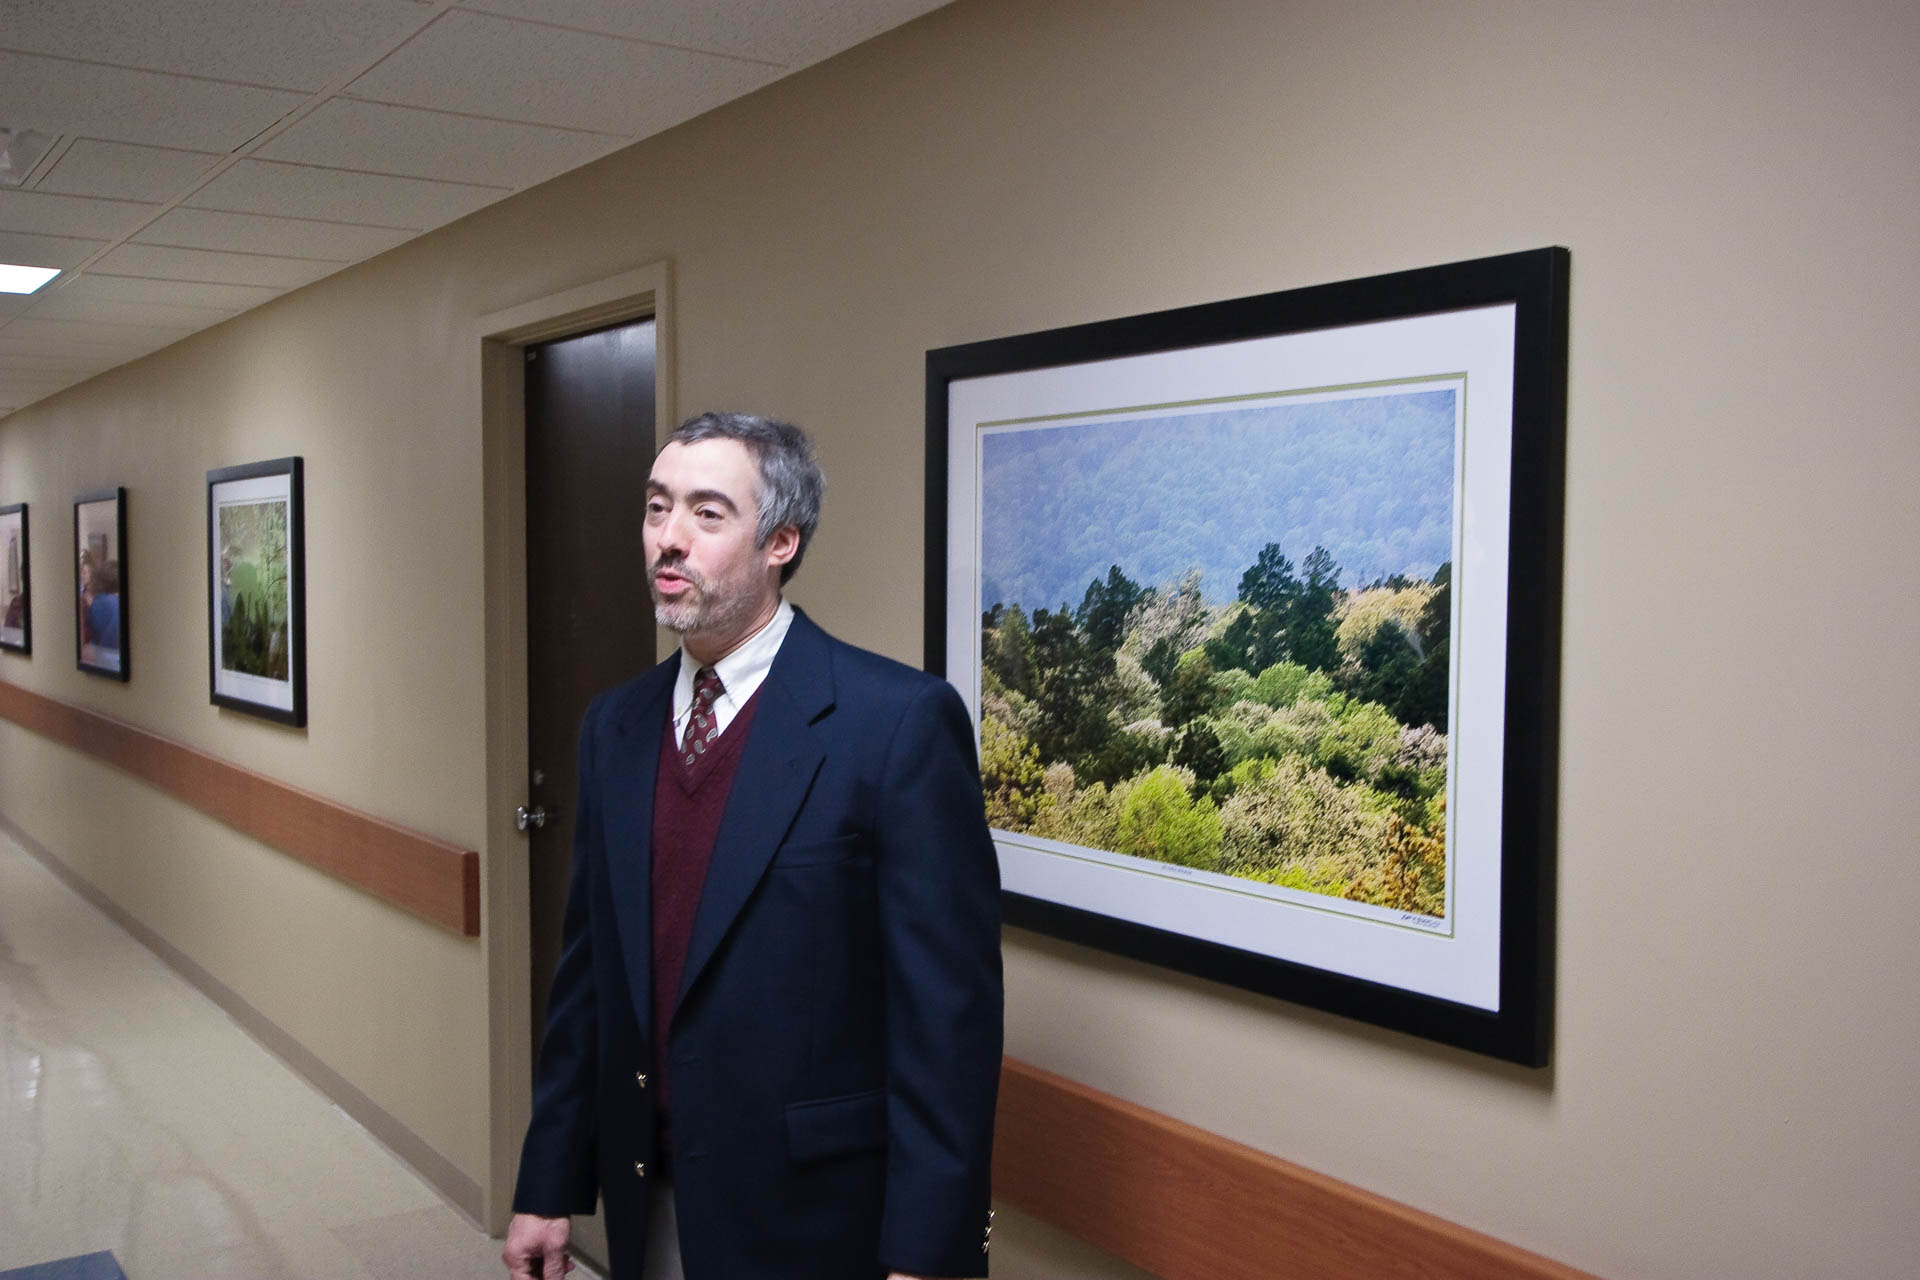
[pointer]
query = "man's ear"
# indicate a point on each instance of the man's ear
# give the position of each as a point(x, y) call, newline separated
point(783, 546)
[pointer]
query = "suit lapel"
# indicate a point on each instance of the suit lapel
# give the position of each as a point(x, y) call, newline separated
point(629, 769)
point(777, 768)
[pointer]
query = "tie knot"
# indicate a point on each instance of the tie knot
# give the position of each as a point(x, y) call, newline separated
point(706, 685)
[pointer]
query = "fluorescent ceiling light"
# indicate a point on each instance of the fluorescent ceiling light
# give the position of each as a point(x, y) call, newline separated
point(24, 279)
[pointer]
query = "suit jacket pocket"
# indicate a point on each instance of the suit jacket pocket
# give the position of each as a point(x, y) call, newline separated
point(813, 853)
point(828, 1127)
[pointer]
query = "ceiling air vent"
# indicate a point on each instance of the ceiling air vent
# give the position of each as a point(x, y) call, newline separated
point(20, 150)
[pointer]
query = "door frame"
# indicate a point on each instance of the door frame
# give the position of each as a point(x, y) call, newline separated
point(501, 338)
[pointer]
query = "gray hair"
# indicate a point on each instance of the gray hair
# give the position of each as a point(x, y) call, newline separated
point(791, 484)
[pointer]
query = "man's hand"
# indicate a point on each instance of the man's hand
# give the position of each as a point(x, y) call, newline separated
point(536, 1248)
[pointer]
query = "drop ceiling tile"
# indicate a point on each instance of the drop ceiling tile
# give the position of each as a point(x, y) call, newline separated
point(12, 304)
point(13, 398)
point(83, 334)
point(770, 30)
point(508, 70)
point(289, 44)
point(105, 351)
point(65, 304)
point(161, 263)
point(17, 391)
point(93, 286)
point(50, 215)
point(63, 363)
point(257, 233)
point(126, 171)
point(22, 390)
point(433, 144)
point(57, 96)
point(337, 195)
point(63, 252)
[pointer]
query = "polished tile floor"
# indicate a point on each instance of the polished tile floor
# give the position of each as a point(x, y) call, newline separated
point(138, 1119)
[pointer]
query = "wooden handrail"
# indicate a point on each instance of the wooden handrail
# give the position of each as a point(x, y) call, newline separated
point(431, 878)
point(1186, 1204)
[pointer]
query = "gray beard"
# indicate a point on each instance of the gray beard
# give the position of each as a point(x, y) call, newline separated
point(705, 614)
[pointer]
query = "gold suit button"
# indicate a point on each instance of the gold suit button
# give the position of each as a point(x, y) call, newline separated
point(639, 1169)
point(641, 1076)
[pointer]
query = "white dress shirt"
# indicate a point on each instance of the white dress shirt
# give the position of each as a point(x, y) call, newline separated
point(741, 673)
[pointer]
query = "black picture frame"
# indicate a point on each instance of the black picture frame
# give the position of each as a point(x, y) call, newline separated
point(16, 580)
point(102, 637)
point(1499, 323)
point(257, 630)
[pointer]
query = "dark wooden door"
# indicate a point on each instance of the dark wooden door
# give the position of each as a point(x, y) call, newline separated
point(589, 618)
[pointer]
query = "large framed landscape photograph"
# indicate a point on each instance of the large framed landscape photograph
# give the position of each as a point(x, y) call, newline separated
point(256, 590)
point(16, 599)
point(1256, 605)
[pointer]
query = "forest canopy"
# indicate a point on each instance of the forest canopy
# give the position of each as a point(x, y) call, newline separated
point(1219, 638)
point(1296, 736)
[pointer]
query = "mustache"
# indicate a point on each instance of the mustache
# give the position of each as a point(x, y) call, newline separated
point(679, 565)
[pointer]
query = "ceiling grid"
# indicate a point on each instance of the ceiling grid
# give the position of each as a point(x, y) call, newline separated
point(204, 156)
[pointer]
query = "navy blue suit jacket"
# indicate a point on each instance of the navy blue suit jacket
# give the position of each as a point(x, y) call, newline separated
point(835, 1051)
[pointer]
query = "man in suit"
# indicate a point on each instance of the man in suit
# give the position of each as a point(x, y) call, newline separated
point(773, 1045)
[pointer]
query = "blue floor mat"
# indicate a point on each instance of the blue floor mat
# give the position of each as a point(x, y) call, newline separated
point(88, 1266)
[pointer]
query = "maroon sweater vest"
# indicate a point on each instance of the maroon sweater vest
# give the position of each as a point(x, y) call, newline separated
point(688, 803)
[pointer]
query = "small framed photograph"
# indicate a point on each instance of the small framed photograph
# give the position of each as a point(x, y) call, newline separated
point(101, 637)
point(256, 590)
point(1256, 605)
point(16, 604)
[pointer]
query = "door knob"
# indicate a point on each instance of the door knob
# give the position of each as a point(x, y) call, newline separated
point(524, 817)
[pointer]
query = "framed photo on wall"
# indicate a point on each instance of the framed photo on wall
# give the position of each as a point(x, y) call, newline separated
point(102, 635)
point(256, 590)
point(16, 601)
point(1256, 605)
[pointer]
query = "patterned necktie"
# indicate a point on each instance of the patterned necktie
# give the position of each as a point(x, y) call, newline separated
point(702, 726)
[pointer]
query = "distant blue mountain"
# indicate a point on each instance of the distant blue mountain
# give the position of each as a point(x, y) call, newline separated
point(1368, 478)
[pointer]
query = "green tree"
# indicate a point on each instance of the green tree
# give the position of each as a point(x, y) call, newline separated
point(1190, 694)
point(1167, 622)
point(1285, 683)
point(1197, 748)
point(1363, 739)
point(1087, 816)
point(1103, 612)
point(1160, 659)
point(1426, 698)
point(1251, 639)
point(1383, 648)
point(1074, 693)
point(1010, 777)
point(1257, 635)
point(1310, 626)
point(1007, 649)
point(1161, 820)
point(1270, 582)
point(1123, 753)
point(1299, 818)
point(1411, 874)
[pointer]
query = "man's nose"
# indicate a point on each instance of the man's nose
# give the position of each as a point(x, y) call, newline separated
point(672, 533)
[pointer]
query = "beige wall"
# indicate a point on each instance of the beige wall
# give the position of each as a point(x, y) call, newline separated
point(1739, 978)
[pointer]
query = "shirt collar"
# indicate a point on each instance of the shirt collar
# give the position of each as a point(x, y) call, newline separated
point(741, 672)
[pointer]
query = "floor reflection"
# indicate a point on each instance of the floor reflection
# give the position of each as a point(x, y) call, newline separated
point(138, 1119)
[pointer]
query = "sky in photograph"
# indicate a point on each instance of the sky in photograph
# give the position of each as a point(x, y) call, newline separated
point(1370, 478)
